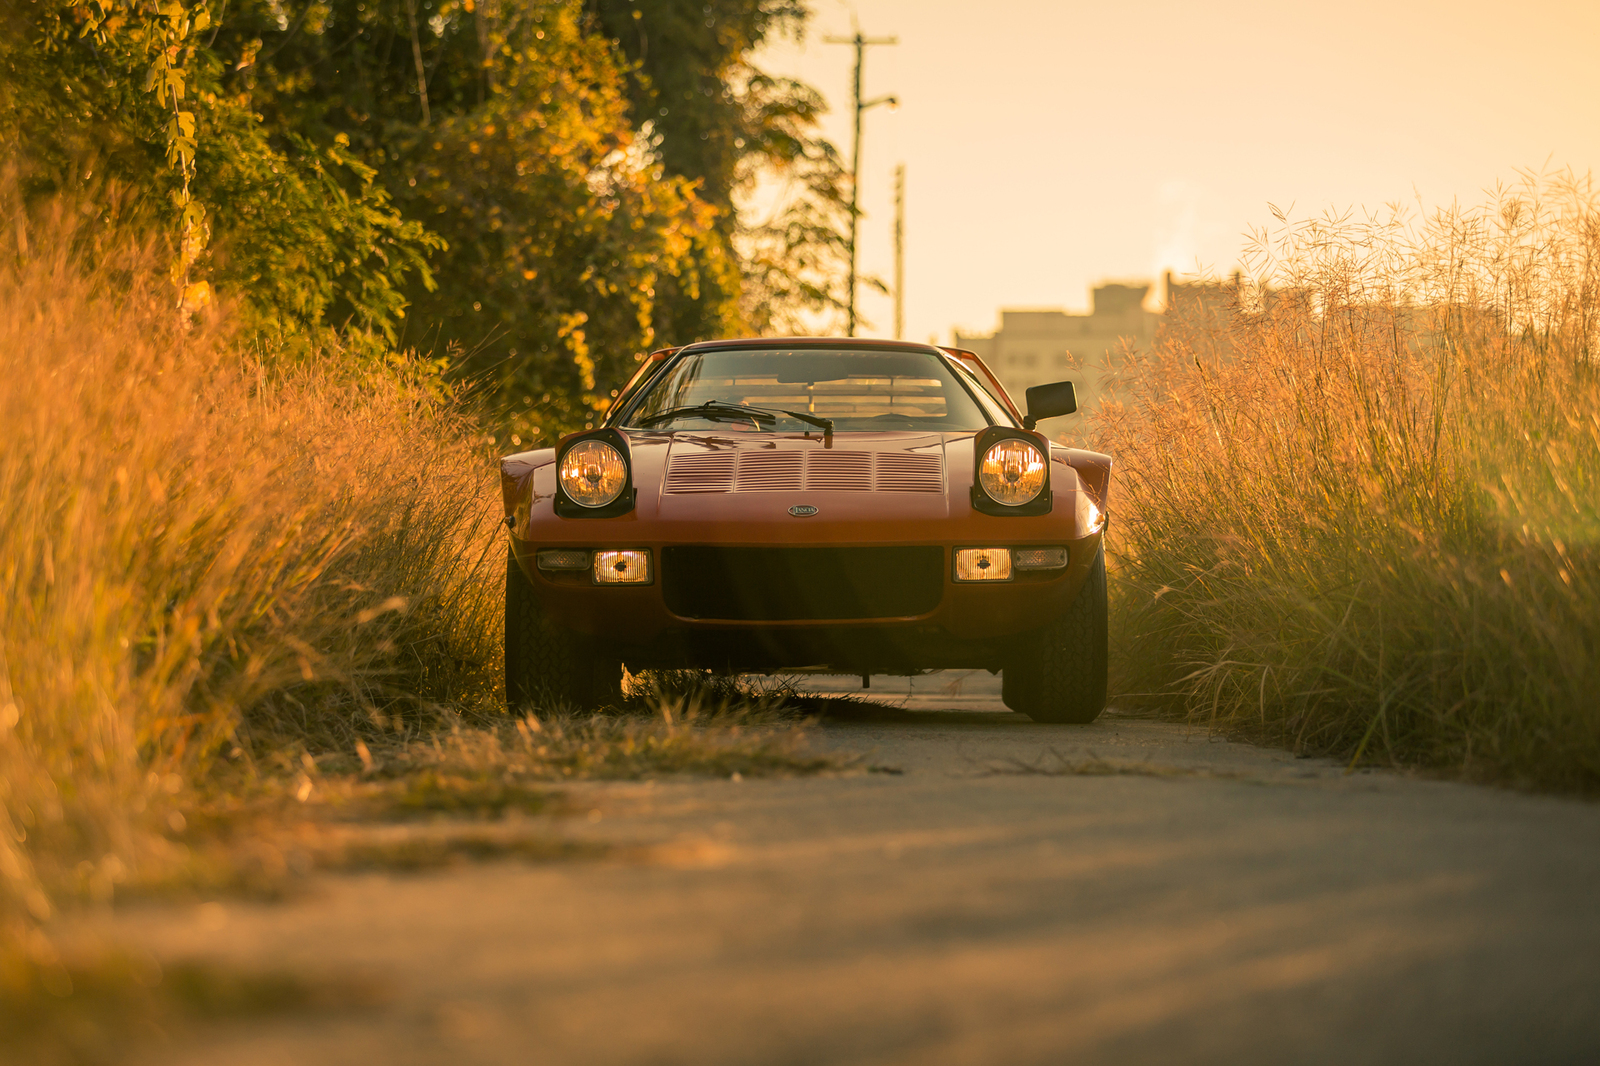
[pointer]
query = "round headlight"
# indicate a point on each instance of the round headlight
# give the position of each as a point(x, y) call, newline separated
point(593, 473)
point(1012, 472)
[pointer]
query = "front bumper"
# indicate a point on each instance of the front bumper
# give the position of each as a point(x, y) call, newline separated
point(969, 625)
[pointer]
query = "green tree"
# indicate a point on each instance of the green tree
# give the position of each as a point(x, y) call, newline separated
point(727, 126)
point(504, 182)
point(127, 98)
point(505, 129)
point(563, 229)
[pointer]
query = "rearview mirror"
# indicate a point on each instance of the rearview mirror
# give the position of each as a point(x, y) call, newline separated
point(1050, 401)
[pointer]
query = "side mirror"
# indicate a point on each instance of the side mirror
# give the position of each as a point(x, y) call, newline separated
point(1050, 401)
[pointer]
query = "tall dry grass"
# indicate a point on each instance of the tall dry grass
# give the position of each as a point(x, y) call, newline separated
point(200, 558)
point(1361, 505)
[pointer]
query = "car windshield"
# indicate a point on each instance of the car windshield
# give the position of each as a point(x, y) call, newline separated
point(855, 389)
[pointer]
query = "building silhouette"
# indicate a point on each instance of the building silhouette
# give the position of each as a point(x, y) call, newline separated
point(1036, 346)
point(1033, 347)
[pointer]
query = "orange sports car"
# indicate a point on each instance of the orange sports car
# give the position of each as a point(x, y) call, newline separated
point(863, 506)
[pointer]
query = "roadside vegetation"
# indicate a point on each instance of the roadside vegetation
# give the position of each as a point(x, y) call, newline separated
point(241, 599)
point(250, 615)
point(277, 284)
point(1360, 492)
point(203, 558)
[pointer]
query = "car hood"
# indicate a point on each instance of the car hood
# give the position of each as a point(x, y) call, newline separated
point(755, 486)
point(755, 476)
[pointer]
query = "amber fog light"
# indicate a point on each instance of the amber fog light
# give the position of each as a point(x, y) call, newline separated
point(622, 568)
point(983, 564)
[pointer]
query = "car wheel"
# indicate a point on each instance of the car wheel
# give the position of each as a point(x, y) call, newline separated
point(548, 664)
point(1060, 675)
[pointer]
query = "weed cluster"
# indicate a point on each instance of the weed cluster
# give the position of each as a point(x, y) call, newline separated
point(682, 737)
point(1359, 504)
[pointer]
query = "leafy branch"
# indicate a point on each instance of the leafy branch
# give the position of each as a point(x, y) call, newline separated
point(161, 33)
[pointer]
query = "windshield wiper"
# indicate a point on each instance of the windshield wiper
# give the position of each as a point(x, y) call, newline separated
point(825, 423)
point(712, 408)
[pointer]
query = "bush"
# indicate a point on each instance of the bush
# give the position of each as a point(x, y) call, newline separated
point(197, 555)
point(1360, 515)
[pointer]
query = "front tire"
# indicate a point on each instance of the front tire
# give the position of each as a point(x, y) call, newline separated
point(547, 664)
point(1059, 674)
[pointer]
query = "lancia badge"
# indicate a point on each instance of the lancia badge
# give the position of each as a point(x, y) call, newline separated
point(802, 510)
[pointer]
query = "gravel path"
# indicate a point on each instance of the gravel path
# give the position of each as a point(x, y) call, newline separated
point(1126, 892)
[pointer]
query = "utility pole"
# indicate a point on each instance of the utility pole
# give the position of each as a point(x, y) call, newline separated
point(861, 44)
point(899, 251)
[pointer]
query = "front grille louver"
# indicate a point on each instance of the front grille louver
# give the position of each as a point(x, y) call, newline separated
point(816, 471)
point(801, 583)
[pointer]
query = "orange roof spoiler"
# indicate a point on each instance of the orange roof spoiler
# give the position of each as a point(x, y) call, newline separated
point(647, 365)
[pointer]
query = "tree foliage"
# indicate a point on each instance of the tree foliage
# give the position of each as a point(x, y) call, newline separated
point(127, 94)
point(725, 125)
point(539, 189)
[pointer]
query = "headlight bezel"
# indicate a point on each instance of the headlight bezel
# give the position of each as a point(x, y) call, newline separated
point(584, 464)
point(983, 443)
point(1016, 464)
point(622, 503)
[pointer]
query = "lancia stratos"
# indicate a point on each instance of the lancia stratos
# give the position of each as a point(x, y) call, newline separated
point(852, 506)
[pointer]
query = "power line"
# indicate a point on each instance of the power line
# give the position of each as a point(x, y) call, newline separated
point(861, 43)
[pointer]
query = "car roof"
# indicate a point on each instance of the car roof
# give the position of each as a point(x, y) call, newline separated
point(790, 343)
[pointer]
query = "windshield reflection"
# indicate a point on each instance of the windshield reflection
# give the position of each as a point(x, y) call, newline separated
point(858, 390)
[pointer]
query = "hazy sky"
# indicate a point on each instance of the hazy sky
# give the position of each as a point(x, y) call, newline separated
point(1052, 145)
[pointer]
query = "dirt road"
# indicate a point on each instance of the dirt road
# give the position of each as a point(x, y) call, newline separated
point(1207, 902)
